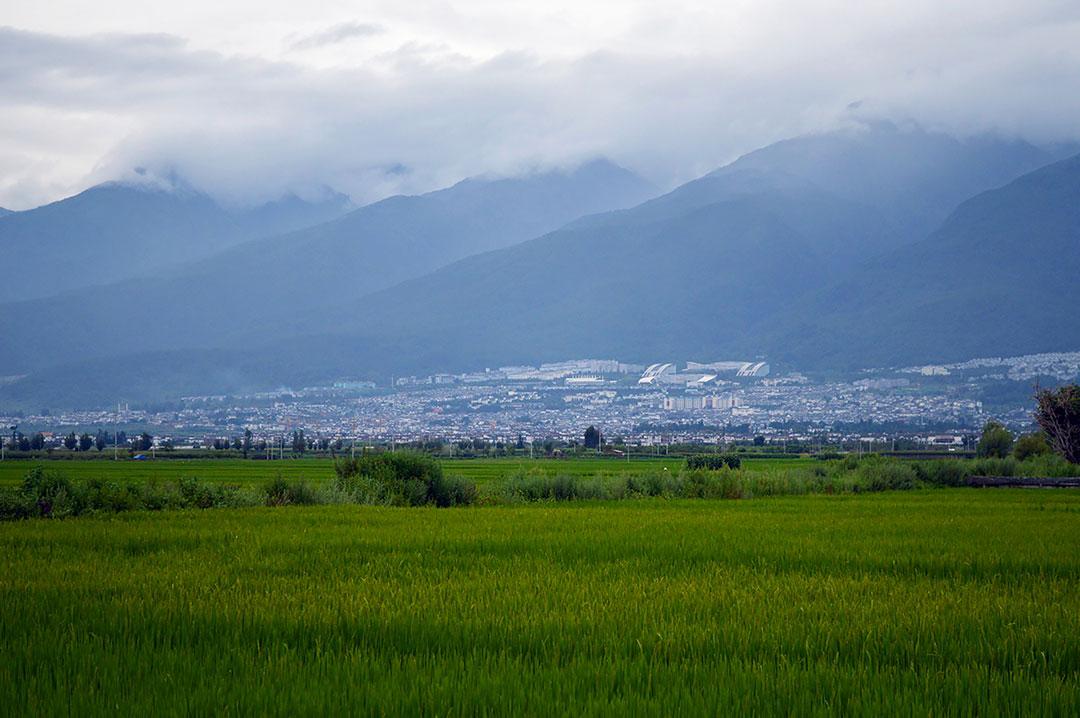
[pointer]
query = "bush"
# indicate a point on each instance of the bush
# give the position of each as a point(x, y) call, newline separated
point(401, 479)
point(882, 475)
point(14, 505)
point(1030, 445)
point(535, 485)
point(945, 472)
point(280, 492)
point(713, 462)
point(50, 494)
point(108, 496)
point(994, 467)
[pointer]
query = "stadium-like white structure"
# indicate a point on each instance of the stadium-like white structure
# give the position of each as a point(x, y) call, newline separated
point(701, 374)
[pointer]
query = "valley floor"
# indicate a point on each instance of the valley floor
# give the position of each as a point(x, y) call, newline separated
point(938, 601)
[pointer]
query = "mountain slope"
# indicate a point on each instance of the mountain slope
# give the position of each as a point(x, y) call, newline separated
point(914, 177)
point(688, 274)
point(114, 231)
point(278, 284)
point(998, 278)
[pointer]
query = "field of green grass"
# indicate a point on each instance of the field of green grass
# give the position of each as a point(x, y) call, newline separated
point(317, 470)
point(947, 601)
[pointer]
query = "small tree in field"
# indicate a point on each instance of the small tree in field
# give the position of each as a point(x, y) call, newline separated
point(996, 441)
point(1058, 414)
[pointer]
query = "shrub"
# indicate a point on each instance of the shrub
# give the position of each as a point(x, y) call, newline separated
point(883, 475)
point(50, 494)
point(713, 462)
point(1030, 445)
point(945, 472)
point(280, 492)
point(994, 467)
point(108, 496)
point(401, 479)
point(14, 505)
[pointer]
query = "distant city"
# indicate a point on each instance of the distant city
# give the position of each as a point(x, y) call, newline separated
point(644, 405)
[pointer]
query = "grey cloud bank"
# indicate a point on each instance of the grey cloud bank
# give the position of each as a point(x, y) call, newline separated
point(427, 112)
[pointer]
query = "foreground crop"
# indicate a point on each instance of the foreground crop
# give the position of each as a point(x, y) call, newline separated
point(951, 601)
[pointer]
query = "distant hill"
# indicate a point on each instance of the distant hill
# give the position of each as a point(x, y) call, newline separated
point(115, 231)
point(998, 278)
point(914, 177)
point(280, 285)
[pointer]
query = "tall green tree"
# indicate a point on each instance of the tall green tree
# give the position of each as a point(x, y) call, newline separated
point(996, 441)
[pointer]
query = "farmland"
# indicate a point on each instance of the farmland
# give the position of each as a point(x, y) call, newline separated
point(322, 469)
point(942, 601)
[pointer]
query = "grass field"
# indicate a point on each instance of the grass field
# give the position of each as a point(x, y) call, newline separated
point(316, 470)
point(922, 602)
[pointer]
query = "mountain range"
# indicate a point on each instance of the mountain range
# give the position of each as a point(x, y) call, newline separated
point(870, 246)
point(121, 230)
point(283, 283)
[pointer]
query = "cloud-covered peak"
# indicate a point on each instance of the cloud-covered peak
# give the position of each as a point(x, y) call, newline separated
point(293, 97)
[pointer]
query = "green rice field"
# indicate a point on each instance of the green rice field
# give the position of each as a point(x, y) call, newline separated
point(242, 471)
point(943, 602)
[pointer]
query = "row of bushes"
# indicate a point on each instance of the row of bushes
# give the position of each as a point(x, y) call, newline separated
point(406, 479)
point(713, 462)
point(49, 494)
point(851, 474)
point(725, 483)
point(395, 479)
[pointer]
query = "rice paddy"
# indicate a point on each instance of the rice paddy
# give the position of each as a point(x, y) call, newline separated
point(945, 601)
point(317, 470)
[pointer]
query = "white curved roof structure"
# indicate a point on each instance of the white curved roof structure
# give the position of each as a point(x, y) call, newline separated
point(654, 372)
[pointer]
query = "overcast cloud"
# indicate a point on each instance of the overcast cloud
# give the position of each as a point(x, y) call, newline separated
point(375, 98)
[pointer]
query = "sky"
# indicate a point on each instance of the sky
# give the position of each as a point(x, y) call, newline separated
point(248, 100)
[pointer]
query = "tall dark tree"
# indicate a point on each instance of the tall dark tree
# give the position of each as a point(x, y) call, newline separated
point(85, 442)
point(71, 441)
point(247, 442)
point(100, 440)
point(37, 442)
point(145, 442)
point(592, 438)
point(24, 443)
point(1058, 413)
